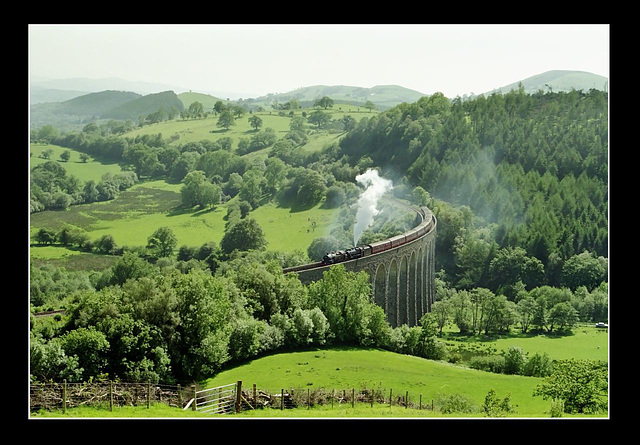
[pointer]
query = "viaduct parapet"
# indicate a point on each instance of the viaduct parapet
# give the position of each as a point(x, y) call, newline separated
point(402, 275)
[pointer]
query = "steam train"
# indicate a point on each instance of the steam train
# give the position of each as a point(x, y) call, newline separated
point(352, 253)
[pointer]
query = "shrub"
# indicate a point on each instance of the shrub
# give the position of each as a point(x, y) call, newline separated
point(271, 338)
point(557, 407)
point(493, 407)
point(244, 341)
point(302, 327)
point(489, 363)
point(455, 403)
point(538, 365)
point(514, 360)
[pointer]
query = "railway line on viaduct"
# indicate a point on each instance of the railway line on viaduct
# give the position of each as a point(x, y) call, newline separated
point(401, 269)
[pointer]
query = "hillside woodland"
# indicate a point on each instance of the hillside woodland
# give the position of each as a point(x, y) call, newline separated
point(518, 182)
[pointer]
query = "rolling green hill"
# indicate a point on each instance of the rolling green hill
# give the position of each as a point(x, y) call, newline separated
point(558, 80)
point(97, 104)
point(73, 114)
point(383, 96)
point(145, 105)
point(206, 100)
point(345, 368)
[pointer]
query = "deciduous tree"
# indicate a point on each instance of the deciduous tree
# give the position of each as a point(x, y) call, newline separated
point(246, 234)
point(162, 242)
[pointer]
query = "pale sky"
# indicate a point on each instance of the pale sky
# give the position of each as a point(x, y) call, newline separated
point(277, 58)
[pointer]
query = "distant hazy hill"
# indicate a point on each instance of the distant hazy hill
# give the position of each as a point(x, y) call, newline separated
point(144, 106)
point(383, 96)
point(39, 95)
point(102, 84)
point(120, 105)
point(97, 104)
point(557, 80)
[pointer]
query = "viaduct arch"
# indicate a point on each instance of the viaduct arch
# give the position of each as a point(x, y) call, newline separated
point(402, 277)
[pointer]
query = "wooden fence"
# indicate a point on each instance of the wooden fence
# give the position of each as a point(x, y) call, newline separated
point(68, 395)
point(225, 399)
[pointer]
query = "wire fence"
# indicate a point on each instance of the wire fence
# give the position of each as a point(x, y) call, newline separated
point(307, 398)
point(227, 399)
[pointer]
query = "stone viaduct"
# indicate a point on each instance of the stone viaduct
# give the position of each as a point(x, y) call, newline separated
point(402, 277)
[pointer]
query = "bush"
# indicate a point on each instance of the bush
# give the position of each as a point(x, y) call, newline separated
point(557, 407)
point(493, 407)
point(514, 360)
point(489, 363)
point(455, 403)
point(271, 338)
point(302, 327)
point(244, 341)
point(539, 365)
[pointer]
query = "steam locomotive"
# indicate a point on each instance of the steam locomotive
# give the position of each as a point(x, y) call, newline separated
point(352, 253)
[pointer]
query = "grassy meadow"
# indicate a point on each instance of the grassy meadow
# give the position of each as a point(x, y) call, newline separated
point(195, 130)
point(84, 171)
point(139, 211)
point(344, 368)
point(585, 342)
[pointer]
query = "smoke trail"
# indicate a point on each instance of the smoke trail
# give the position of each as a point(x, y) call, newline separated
point(368, 201)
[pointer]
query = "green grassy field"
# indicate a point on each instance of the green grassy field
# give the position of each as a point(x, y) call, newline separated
point(84, 171)
point(382, 370)
point(584, 343)
point(344, 368)
point(287, 231)
point(183, 131)
point(139, 211)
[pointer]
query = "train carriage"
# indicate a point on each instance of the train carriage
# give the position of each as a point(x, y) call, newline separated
point(380, 246)
point(426, 224)
point(398, 240)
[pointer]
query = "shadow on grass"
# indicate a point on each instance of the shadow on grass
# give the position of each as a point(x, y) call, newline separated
point(488, 338)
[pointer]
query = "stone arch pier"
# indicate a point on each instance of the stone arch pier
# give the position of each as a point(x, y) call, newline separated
point(402, 277)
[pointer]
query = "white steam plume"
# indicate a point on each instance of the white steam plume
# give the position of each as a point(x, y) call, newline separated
point(368, 201)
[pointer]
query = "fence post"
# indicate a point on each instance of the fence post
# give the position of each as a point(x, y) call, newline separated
point(179, 396)
point(282, 399)
point(255, 397)
point(353, 397)
point(64, 396)
point(373, 394)
point(390, 395)
point(110, 395)
point(239, 396)
point(193, 406)
point(148, 395)
point(308, 398)
point(406, 400)
point(420, 401)
point(333, 396)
